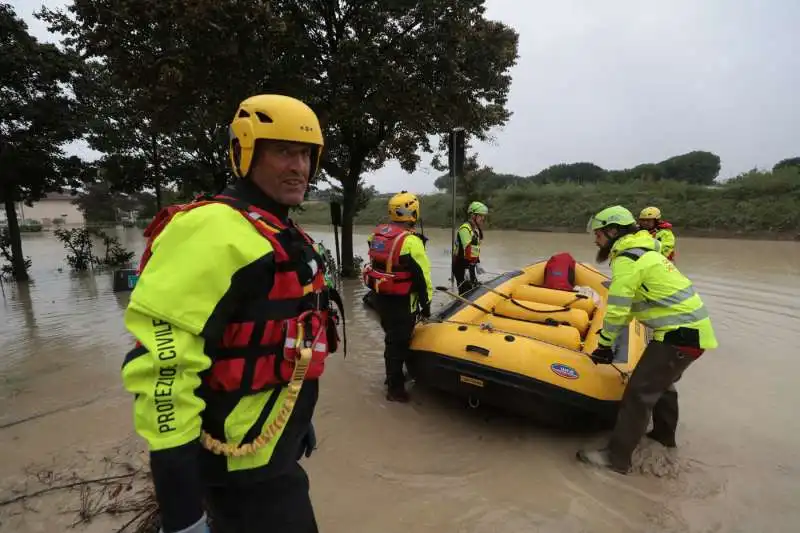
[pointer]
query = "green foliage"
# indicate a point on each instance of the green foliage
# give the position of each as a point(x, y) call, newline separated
point(694, 167)
point(30, 226)
point(80, 246)
point(78, 242)
point(100, 202)
point(787, 163)
point(752, 202)
point(570, 173)
point(385, 76)
point(37, 116)
point(166, 77)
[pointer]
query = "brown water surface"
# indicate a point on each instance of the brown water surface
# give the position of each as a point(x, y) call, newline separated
point(435, 465)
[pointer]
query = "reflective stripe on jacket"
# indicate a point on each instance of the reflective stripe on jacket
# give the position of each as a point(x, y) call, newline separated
point(210, 268)
point(646, 286)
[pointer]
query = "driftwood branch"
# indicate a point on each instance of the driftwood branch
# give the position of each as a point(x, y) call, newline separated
point(129, 493)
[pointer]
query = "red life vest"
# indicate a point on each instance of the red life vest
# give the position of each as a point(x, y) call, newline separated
point(663, 224)
point(384, 274)
point(258, 352)
point(559, 272)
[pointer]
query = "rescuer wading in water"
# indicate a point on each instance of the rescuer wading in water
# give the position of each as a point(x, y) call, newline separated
point(399, 273)
point(646, 286)
point(467, 248)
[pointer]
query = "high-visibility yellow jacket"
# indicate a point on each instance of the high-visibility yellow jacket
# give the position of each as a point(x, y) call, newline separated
point(645, 285)
point(663, 234)
point(209, 265)
point(467, 248)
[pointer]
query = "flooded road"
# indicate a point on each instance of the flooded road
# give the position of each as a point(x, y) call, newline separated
point(435, 465)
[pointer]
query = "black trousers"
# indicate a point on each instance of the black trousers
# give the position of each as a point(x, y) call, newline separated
point(397, 322)
point(651, 390)
point(281, 504)
point(463, 283)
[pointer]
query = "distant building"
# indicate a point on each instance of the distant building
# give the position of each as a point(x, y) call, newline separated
point(53, 206)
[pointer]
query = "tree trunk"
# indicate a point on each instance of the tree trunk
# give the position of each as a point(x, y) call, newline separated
point(17, 259)
point(156, 169)
point(157, 187)
point(349, 193)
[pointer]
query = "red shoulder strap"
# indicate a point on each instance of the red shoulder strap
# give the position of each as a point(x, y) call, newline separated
point(263, 221)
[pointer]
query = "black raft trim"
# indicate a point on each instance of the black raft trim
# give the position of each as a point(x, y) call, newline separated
point(442, 372)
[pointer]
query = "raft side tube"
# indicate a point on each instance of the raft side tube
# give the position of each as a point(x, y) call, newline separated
point(492, 386)
point(558, 334)
point(573, 300)
point(537, 312)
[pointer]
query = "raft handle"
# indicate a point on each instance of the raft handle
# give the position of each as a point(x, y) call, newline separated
point(473, 402)
point(477, 349)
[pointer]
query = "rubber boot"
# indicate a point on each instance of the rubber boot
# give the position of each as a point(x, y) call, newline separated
point(664, 441)
point(396, 390)
point(599, 458)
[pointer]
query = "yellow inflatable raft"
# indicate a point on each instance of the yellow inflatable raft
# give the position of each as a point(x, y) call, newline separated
point(525, 347)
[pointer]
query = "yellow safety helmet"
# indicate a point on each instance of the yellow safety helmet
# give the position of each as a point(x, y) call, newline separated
point(650, 213)
point(404, 207)
point(273, 117)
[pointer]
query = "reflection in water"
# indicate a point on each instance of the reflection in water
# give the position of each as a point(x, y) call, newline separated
point(434, 465)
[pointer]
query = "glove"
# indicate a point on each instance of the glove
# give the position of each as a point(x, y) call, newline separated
point(479, 270)
point(201, 526)
point(425, 310)
point(309, 443)
point(603, 355)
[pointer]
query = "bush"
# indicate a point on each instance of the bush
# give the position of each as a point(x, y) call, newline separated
point(30, 226)
point(752, 202)
point(78, 241)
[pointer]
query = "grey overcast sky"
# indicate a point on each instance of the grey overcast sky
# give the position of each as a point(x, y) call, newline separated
point(622, 82)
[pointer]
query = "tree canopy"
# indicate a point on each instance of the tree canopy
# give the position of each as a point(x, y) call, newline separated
point(37, 117)
point(383, 76)
point(696, 167)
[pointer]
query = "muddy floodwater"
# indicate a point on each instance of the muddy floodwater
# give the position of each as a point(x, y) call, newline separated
point(436, 465)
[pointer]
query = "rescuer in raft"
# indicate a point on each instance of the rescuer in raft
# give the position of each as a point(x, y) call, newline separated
point(399, 274)
point(233, 324)
point(650, 219)
point(646, 286)
point(467, 248)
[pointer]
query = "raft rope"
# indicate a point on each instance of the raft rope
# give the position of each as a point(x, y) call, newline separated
point(564, 307)
point(487, 326)
point(276, 426)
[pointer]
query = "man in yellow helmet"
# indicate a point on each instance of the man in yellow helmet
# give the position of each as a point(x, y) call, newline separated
point(233, 325)
point(399, 274)
point(650, 219)
point(646, 286)
point(467, 248)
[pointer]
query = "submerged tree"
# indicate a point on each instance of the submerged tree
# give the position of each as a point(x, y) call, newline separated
point(167, 78)
point(384, 76)
point(37, 117)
